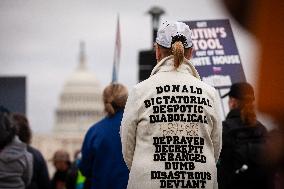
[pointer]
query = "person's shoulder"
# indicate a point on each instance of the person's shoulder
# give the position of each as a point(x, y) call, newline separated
point(262, 129)
point(91, 131)
point(39, 162)
point(235, 128)
point(227, 126)
point(35, 152)
point(98, 126)
point(144, 84)
point(231, 125)
point(140, 89)
point(260, 125)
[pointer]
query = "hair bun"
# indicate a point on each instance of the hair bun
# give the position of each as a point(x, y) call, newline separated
point(109, 108)
point(115, 96)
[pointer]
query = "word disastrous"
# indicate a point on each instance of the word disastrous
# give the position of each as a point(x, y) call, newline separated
point(180, 108)
point(179, 155)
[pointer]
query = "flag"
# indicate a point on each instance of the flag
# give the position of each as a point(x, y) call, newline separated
point(117, 50)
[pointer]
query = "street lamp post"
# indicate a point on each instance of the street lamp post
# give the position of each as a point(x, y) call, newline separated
point(155, 12)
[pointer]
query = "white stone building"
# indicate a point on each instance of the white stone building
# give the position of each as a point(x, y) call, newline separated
point(80, 105)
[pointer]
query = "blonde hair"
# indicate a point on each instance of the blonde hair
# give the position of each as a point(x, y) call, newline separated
point(114, 97)
point(178, 52)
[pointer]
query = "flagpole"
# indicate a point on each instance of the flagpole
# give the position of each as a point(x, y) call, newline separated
point(117, 49)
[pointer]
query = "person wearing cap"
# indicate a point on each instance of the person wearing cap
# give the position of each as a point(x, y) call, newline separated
point(241, 162)
point(171, 129)
point(62, 164)
point(16, 163)
point(102, 162)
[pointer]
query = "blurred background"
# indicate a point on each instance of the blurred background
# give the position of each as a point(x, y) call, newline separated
point(40, 40)
point(64, 51)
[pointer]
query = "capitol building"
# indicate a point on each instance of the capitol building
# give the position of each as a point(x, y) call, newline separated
point(80, 105)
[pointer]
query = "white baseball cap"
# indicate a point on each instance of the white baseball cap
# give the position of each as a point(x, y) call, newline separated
point(170, 32)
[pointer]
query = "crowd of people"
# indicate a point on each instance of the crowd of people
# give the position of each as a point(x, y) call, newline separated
point(166, 133)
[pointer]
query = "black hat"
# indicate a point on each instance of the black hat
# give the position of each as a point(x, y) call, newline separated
point(241, 91)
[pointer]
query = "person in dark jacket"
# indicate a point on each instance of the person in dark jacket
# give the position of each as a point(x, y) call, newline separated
point(40, 179)
point(241, 164)
point(16, 164)
point(275, 156)
point(102, 160)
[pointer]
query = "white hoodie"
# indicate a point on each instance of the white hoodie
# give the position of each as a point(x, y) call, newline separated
point(171, 130)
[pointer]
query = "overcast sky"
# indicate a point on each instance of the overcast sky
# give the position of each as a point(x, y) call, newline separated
point(40, 39)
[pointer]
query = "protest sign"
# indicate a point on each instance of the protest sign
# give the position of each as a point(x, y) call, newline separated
point(215, 54)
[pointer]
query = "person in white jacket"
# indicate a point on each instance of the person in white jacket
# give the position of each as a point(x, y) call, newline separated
point(171, 129)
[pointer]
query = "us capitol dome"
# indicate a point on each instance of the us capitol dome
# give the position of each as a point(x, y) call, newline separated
point(80, 103)
point(80, 106)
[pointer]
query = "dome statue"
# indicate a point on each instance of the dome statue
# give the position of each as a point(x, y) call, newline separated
point(80, 102)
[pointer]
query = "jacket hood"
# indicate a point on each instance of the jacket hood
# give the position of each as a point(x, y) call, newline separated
point(167, 64)
point(13, 151)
